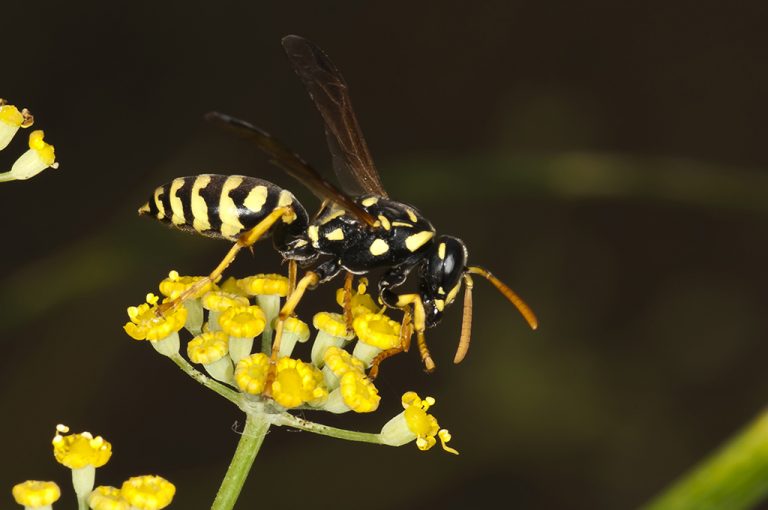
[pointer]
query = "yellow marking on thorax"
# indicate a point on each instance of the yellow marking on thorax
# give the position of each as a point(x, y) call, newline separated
point(385, 222)
point(440, 305)
point(378, 247)
point(286, 200)
point(159, 203)
point(335, 235)
point(415, 241)
point(312, 233)
point(441, 291)
point(177, 207)
point(441, 251)
point(200, 221)
point(369, 201)
point(401, 224)
point(332, 216)
point(228, 212)
point(256, 198)
point(411, 215)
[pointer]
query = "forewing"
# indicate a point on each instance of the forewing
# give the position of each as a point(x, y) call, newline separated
point(296, 167)
point(352, 161)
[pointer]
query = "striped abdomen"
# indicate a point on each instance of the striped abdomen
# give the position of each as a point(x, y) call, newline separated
point(222, 206)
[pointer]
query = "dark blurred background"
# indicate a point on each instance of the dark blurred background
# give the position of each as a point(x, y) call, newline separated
point(608, 161)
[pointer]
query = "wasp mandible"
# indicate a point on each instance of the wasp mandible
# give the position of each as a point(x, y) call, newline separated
point(355, 231)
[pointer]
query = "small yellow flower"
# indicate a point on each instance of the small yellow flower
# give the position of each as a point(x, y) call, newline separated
point(232, 286)
point(294, 330)
point(297, 383)
point(11, 119)
point(251, 373)
point(148, 492)
point(376, 332)
point(331, 331)
point(39, 157)
point(219, 300)
point(80, 450)
point(355, 391)
point(175, 285)
point(105, 497)
point(242, 321)
point(147, 324)
point(35, 494)
point(360, 301)
point(265, 285)
point(415, 424)
point(211, 349)
point(340, 361)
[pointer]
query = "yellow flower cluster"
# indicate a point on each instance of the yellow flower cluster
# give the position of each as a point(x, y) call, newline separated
point(236, 312)
point(40, 154)
point(83, 453)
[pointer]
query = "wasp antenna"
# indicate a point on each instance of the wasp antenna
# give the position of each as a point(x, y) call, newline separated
point(508, 293)
point(466, 322)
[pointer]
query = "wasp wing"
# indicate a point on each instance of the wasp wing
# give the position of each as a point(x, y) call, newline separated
point(289, 161)
point(352, 161)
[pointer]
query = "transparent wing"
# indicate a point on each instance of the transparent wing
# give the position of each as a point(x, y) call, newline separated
point(352, 161)
point(296, 167)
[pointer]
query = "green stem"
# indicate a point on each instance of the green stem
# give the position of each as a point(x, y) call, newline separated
point(7, 176)
point(349, 435)
point(734, 477)
point(225, 391)
point(256, 427)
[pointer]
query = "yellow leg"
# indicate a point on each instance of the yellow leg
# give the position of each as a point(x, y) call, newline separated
point(405, 344)
point(419, 322)
point(292, 270)
point(308, 280)
point(348, 280)
point(245, 240)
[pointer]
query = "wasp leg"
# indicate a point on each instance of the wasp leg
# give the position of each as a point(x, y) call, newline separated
point(347, 303)
point(406, 331)
point(292, 275)
point(245, 240)
point(419, 322)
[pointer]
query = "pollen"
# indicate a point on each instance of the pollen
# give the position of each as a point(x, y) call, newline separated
point(105, 497)
point(147, 324)
point(148, 492)
point(36, 494)
point(340, 361)
point(208, 348)
point(377, 330)
point(243, 321)
point(251, 373)
point(219, 300)
point(331, 323)
point(265, 285)
point(358, 392)
point(297, 383)
point(80, 450)
point(175, 285)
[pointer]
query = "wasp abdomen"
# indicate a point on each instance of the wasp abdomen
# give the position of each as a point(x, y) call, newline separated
point(222, 206)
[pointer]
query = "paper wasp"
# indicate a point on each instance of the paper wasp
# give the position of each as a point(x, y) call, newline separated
point(356, 230)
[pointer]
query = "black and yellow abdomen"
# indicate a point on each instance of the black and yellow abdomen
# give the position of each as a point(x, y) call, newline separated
point(222, 206)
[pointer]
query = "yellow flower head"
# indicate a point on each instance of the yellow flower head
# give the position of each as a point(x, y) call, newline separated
point(209, 347)
point(298, 327)
point(105, 497)
point(243, 321)
point(265, 285)
point(11, 115)
point(297, 382)
point(35, 494)
point(148, 492)
point(332, 324)
point(44, 151)
point(147, 324)
point(80, 450)
point(340, 361)
point(219, 300)
point(377, 330)
point(424, 425)
point(251, 373)
point(358, 392)
point(361, 302)
point(232, 286)
point(175, 285)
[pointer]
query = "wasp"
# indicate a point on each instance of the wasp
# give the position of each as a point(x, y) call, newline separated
point(357, 229)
